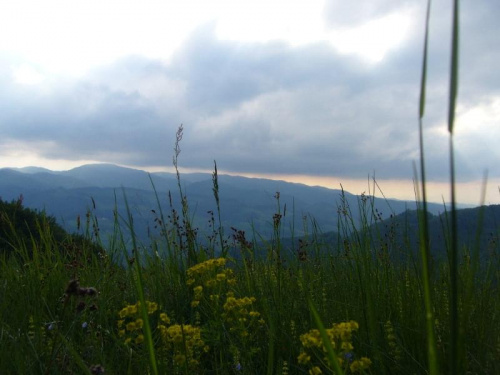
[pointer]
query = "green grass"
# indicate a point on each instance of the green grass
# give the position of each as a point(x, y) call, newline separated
point(46, 329)
point(239, 305)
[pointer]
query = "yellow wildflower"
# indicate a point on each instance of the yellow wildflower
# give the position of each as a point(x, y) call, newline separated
point(311, 339)
point(303, 358)
point(221, 262)
point(139, 339)
point(164, 318)
point(360, 364)
point(198, 289)
point(132, 309)
point(315, 371)
point(346, 346)
point(152, 307)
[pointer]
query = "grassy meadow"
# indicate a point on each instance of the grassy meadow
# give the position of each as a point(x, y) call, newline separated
point(219, 303)
point(235, 303)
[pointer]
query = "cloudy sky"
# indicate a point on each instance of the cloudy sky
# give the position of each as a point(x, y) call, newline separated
point(320, 92)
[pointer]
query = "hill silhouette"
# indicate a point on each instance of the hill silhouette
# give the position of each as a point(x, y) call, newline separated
point(246, 203)
point(24, 230)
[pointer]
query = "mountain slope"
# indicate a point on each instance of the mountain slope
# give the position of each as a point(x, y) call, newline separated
point(478, 229)
point(246, 203)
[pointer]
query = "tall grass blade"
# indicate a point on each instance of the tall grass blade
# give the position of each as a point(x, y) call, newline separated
point(330, 354)
point(140, 291)
point(454, 68)
point(423, 218)
point(455, 367)
point(424, 64)
point(215, 190)
point(190, 232)
point(163, 226)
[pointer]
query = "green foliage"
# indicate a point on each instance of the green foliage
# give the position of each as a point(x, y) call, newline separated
point(21, 226)
point(60, 313)
point(25, 231)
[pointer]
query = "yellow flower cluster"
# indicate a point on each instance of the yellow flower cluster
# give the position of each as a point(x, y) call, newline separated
point(207, 266)
point(340, 336)
point(212, 283)
point(198, 294)
point(130, 323)
point(315, 371)
point(211, 274)
point(239, 315)
point(185, 343)
point(131, 310)
point(182, 343)
point(360, 365)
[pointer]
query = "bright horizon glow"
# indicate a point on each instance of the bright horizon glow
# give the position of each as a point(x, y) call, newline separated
point(468, 193)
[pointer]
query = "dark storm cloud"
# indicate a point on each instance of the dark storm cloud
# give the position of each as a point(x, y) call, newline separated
point(223, 74)
point(269, 107)
point(84, 121)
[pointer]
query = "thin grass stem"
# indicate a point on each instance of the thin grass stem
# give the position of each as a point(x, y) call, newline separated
point(455, 336)
point(423, 216)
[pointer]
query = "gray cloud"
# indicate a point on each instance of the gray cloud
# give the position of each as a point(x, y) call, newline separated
point(270, 107)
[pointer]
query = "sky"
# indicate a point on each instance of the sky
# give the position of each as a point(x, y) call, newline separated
point(318, 92)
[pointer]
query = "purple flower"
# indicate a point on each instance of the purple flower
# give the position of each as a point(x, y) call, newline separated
point(349, 356)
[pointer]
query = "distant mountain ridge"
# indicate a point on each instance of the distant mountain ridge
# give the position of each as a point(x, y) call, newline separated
point(246, 203)
point(478, 230)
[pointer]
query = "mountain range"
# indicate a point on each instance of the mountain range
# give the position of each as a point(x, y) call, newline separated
point(246, 203)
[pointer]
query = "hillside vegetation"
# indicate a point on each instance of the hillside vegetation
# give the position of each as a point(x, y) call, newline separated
point(24, 231)
point(222, 303)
